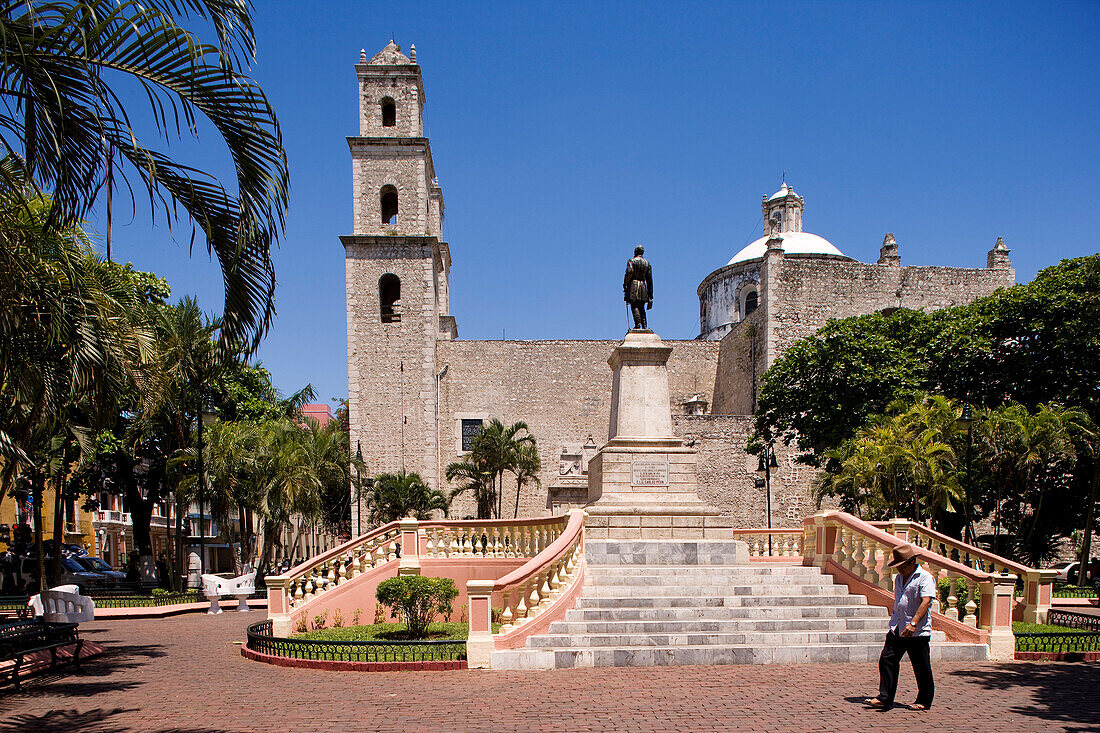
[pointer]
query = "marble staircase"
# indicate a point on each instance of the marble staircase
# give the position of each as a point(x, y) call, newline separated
point(649, 603)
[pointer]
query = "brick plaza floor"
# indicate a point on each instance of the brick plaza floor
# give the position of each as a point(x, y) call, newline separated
point(185, 674)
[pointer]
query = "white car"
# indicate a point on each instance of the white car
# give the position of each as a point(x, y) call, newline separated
point(1067, 571)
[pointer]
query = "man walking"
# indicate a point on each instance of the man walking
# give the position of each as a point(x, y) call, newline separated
point(910, 631)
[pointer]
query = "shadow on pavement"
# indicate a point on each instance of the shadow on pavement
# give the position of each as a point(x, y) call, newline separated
point(1062, 692)
point(66, 681)
point(91, 721)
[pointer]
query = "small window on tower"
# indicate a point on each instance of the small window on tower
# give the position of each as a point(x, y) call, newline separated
point(389, 112)
point(470, 430)
point(389, 295)
point(389, 205)
point(750, 302)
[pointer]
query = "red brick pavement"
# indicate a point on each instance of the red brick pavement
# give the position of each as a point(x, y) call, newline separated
point(184, 674)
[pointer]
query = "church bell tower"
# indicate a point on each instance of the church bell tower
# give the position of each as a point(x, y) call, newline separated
point(397, 271)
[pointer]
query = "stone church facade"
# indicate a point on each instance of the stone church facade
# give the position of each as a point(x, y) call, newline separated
point(417, 393)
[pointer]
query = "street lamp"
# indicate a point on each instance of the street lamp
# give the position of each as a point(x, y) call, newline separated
point(765, 466)
point(966, 422)
point(208, 416)
point(358, 487)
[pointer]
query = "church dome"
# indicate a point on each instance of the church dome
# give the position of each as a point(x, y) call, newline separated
point(794, 243)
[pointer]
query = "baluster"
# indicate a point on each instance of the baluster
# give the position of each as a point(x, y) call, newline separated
point(356, 567)
point(936, 605)
point(859, 556)
point(786, 544)
point(506, 615)
point(298, 592)
point(392, 548)
point(872, 564)
point(521, 607)
point(494, 541)
point(330, 577)
point(971, 619)
point(534, 602)
point(952, 600)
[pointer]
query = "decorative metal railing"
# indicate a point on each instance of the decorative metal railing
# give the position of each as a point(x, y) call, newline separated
point(772, 542)
point(1034, 584)
point(1072, 620)
point(1071, 590)
point(261, 640)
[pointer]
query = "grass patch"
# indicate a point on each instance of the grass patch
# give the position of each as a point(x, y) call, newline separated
point(1020, 627)
point(390, 632)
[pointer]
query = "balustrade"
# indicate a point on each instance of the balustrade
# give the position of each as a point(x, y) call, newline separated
point(490, 538)
point(784, 542)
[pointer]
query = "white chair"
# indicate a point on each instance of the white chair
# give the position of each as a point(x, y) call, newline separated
point(63, 605)
point(215, 586)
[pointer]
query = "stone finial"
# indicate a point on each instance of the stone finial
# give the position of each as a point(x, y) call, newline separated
point(888, 255)
point(362, 55)
point(997, 258)
point(775, 244)
point(412, 52)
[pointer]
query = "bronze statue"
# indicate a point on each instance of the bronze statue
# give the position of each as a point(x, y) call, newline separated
point(638, 287)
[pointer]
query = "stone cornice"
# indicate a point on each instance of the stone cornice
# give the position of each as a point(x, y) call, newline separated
point(396, 246)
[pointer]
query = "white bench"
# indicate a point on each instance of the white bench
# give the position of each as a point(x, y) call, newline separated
point(63, 605)
point(215, 586)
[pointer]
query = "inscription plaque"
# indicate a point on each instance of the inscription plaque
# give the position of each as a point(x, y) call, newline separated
point(649, 473)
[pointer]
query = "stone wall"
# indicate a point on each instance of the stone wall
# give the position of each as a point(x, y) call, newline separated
point(727, 473)
point(561, 389)
point(741, 365)
point(405, 165)
point(812, 290)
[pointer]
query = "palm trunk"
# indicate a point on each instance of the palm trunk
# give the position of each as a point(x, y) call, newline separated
point(58, 526)
point(1086, 541)
point(36, 507)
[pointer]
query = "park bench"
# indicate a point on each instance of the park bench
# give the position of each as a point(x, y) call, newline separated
point(215, 586)
point(22, 638)
point(63, 605)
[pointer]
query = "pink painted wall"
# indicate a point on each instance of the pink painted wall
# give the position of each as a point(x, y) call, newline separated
point(359, 593)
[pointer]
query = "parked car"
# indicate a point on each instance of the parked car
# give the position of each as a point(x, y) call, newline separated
point(72, 573)
point(99, 565)
point(1067, 571)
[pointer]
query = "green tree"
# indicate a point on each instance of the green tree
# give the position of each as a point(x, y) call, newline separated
point(498, 449)
point(398, 495)
point(416, 600)
point(64, 65)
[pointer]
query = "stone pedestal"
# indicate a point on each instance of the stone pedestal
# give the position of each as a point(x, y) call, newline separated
point(642, 484)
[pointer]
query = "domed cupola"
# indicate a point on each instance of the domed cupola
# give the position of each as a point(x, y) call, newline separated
point(783, 215)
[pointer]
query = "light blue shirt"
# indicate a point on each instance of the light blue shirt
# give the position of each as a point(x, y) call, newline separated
point(907, 598)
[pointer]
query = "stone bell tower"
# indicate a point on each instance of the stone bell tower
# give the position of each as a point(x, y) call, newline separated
point(782, 211)
point(397, 270)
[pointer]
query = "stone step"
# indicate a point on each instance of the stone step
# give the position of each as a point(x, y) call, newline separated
point(602, 590)
point(731, 612)
point(764, 571)
point(724, 626)
point(666, 552)
point(649, 656)
point(748, 638)
point(679, 601)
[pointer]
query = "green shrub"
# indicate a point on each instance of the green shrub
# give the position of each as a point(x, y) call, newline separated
point(416, 599)
point(337, 619)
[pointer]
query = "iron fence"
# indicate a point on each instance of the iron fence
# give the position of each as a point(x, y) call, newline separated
point(260, 640)
point(1073, 620)
point(1082, 634)
point(1070, 590)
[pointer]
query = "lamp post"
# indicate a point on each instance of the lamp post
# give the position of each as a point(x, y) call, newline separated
point(358, 487)
point(966, 422)
point(765, 466)
point(207, 417)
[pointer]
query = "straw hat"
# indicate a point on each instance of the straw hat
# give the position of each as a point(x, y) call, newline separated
point(901, 554)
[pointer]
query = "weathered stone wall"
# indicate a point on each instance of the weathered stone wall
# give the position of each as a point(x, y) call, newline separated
point(741, 365)
point(727, 473)
point(405, 166)
point(391, 366)
point(403, 86)
point(812, 290)
point(561, 389)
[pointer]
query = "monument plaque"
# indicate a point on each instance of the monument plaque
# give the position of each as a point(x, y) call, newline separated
point(649, 472)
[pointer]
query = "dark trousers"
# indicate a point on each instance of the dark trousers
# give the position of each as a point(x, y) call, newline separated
point(890, 661)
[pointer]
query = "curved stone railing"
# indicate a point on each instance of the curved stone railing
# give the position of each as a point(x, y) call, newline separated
point(857, 553)
point(531, 596)
point(489, 537)
point(772, 543)
point(1036, 585)
point(315, 576)
point(399, 548)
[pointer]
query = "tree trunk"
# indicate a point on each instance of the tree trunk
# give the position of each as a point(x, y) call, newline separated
point(1086, 541)
point(58, 525)
point(36, 507)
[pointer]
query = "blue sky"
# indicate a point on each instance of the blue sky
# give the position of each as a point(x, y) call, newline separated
point(566, 133)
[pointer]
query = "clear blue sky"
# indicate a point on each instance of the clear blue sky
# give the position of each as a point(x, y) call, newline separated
point(565, 134)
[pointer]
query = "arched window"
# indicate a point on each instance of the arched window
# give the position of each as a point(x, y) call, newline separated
point(389, 205)
point(389, 112)
point(751, 301)
point(389, 295)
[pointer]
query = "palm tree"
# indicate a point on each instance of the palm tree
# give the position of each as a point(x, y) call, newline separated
point(526, 469)
point(62, 65)
point(496, 448)
point(474, 476)
point(398, 495)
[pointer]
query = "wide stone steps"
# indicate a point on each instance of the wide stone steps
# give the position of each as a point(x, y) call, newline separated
point(658, 603)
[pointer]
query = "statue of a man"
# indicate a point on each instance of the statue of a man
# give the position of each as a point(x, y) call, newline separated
point(638, 287)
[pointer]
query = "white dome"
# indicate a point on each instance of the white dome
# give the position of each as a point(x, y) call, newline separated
point(794, 243)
